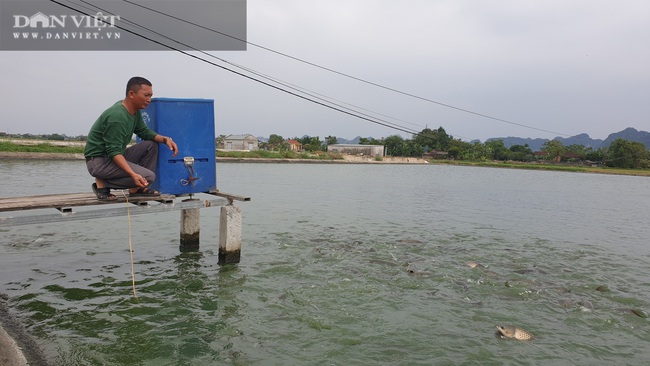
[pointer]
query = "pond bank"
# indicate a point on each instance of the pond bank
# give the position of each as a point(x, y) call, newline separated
point(352, 159)
point(347, 159)
point(17, 348)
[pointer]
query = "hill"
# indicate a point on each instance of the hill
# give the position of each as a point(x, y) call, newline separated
point(629, 133)
point(536, 144)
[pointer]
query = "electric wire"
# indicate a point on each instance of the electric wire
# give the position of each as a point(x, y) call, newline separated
point(324, 104)
point(278, 81)
point(348, 75)
point(267, 49)
point(286, 84)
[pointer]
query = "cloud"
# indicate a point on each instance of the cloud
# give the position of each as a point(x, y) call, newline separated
point(567, 67)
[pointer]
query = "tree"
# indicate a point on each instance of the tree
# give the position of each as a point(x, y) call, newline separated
point(453, 152)
point(628, 154)
point(426, 138)
point(555, 149)
point(475, 151)
point(521, 153)
point(443, 139)
point(219, 141)
point(54, 136)
point(433, 139)
point(394, 145)
point(599, 155)
point(576, 151)
point(462, 150)
point(370, 141)
point(311, 143)
point(330, 140)
point(412, 149)
point(496, 150)
point(276, 142)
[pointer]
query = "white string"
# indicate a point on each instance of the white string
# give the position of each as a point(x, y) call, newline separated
point(128, 214)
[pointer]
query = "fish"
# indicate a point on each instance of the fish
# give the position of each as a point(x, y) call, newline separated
point(414, 271)
point(387, 263)
point(524, 271)
point(490, 273)
point(410, 241)
point(640, 313)
point(586, 305)
point(511, 331)
point(472, 264)
point(565, 303)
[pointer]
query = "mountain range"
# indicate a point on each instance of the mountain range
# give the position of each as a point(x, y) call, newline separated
point(630, 134)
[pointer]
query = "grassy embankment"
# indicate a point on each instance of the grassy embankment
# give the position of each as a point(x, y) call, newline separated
point(262, 154)
point(78, 149)
point(548, 166)
point(42, 147)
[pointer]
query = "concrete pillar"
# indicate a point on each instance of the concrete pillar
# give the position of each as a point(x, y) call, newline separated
point(190, 229)
point(230, 234)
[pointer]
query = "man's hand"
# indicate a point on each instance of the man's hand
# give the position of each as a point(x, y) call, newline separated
point(172, 146)
point(139, 180)
point(169, 142)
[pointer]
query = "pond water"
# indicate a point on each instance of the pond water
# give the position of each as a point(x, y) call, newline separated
point(344, 265)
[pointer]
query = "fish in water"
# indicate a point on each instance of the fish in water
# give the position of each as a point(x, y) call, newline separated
point(511, 331)
point(638, 312)
point(586, 305)
point(472, 264)
point(524, 271)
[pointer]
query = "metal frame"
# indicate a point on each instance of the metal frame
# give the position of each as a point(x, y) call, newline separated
point(139, 208)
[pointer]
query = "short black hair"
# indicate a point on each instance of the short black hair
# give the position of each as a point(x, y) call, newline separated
point(135, 82)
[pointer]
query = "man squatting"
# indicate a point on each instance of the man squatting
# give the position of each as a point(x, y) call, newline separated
point(108, 159)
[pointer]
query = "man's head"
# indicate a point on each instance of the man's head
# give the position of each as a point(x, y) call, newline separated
point(139, 92)
point(135, 83)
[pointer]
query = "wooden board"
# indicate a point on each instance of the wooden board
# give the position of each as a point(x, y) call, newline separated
point(62, 201)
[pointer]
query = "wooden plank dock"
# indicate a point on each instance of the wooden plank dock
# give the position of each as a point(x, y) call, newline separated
point(69, 200)
point(60, 201)
point(15, 211)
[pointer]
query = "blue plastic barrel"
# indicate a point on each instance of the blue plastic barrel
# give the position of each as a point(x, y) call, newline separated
point(190, 123)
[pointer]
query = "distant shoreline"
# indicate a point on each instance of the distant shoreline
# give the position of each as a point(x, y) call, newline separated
point(7, 155)
point(349, 159)
point(10, 155)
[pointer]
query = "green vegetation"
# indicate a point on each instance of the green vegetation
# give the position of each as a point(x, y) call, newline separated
point(437, 144)
point(621, 157)
point(50, 137)
point(283, 154)
point(40, 148)
point(547, 166)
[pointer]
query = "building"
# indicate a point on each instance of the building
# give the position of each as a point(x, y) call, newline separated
point(355, 149)
point(294, 145)
point(436, 154)
point(240, 142)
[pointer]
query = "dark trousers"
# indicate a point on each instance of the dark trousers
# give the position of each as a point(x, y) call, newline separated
point(142, 158)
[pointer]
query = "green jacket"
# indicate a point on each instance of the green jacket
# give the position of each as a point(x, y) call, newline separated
point(113, 131)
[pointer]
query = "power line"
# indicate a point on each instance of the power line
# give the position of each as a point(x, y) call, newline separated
point(346, 75)
point(324, 104)
point(278, 81)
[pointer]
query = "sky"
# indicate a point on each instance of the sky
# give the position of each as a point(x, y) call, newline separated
point(539, 69)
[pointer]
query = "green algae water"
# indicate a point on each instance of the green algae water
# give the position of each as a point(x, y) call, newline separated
point(344, 265)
